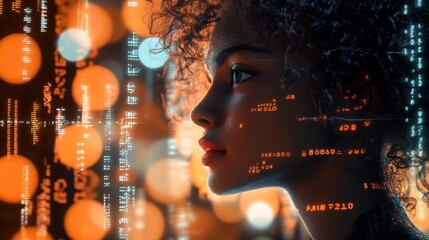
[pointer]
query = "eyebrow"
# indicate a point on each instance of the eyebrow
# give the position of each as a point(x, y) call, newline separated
point(226, 53)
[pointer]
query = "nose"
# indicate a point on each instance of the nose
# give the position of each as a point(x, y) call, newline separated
point(206, 113)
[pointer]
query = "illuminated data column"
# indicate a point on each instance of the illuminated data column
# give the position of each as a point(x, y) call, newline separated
point(133, 64)
point(17, 6)
point(26, 58)
point(35, 128)
point(107, 161)
point(416, 79)
point(43, 9)
point(43, 219)
point(127, 192)
point(416, 95)
point(8, 128)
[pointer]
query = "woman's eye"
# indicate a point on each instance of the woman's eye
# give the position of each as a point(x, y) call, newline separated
point(240, 75)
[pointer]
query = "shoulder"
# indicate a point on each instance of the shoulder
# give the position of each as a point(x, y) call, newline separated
point(387, 221)
point(406, 234)
point(391, 231)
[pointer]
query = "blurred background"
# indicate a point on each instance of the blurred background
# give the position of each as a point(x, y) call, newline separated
point(88, 150)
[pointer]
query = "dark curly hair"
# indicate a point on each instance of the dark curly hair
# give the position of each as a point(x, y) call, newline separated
point(360, 43)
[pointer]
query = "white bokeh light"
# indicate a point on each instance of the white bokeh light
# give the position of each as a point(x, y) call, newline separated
point(74, 44)
point(152, 53)
point(260, 215)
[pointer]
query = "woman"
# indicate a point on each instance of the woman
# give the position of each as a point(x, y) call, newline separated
point(309, 96)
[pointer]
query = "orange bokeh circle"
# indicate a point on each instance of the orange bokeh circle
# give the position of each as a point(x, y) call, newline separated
point(147, 222)
point(20, 58)
point(199, 175)
point(14, 180)
point(84, 220)
point(96, 85)
point(202, 222)
point(227, 208)
point(137, 14)
point(420, 215)
point(79, 147)
point(95, 20)
point(32, 233)
point(167, 180)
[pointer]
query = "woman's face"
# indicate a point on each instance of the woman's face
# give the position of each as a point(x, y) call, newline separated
point(253, 136)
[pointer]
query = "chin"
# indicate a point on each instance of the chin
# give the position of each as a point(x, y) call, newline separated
point(225, 185)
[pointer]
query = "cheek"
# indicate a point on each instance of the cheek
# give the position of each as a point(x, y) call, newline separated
point(264, 134)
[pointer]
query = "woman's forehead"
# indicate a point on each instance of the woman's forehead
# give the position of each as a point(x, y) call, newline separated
point(238, 25)
point(236, 34)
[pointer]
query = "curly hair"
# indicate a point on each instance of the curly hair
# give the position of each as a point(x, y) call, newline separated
point(358, 40)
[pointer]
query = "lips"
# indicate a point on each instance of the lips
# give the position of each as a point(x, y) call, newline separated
point(213, 152)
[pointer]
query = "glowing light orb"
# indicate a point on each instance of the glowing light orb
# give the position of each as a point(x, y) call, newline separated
point(267, 195)
point(260, 215)
point(167, 180)
point(151, 53)
point(187, 134)
point(263, 238)
point(136, 15)
point(138, 156)
point(20, 58)
point(199, 175)
point(79, 147)
point(95, 20)
point(421, 217)
point(257, 200)
point(145, 153)
point(147, 223)
point(32, 233)
point(202, 222)
point(227, 208)
point(74, 44)
point(84, 220)
point(97, 86)
point(18, 175)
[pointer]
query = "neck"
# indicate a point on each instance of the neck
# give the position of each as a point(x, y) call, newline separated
point(331, 200)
